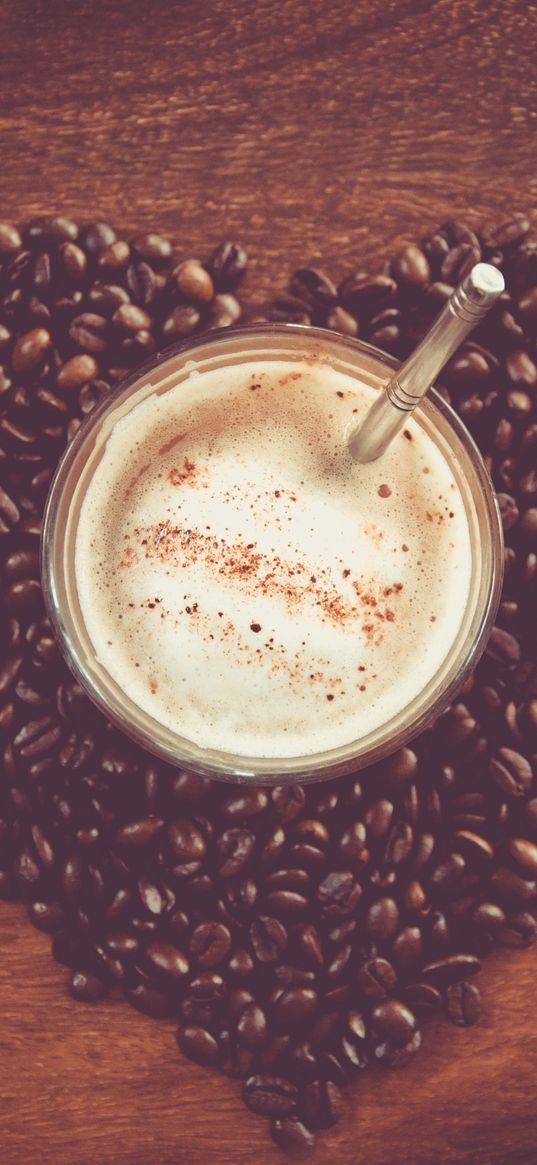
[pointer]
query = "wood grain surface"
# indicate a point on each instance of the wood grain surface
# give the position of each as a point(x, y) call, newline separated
point(308, 131)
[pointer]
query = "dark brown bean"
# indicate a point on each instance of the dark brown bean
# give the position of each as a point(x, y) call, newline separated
point(270, 1095)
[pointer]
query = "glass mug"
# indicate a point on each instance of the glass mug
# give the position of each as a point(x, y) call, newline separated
point(265, 344)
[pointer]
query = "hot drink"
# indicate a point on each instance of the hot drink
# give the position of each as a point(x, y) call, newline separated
point(247, 585)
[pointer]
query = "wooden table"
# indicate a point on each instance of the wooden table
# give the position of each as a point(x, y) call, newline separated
point(309, 131)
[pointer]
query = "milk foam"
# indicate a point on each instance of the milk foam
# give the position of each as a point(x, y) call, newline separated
point(248, 584)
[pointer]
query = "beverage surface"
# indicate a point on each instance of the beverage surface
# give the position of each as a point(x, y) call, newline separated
point(248, 584)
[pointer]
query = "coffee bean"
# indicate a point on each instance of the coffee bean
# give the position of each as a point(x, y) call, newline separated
point(139, 834)
point(149, 1000)
point(340, 320)
point(210, 943)
point(291, 1135)
point(511, 772)
point(503, 649)
point(89, 332)
point(193, 282)
point(376, 978)
point(268, 937)
point(338, 894)
point(181, 322)
point(313, 287)
point(365, 294)
point(270, 1095)
point(459, 262)
point(185, 842)
point(410, 267)
point(47, 916)
point(463, 1003)
point(235, 847)
point(10, 239)
point(394, 1020)
point(518, 930)
point(295, 1007)
point(321, 1104)
point(227, 266)
point(407, 950)
point(423, 998)
point(394, 1056)
point(382, 919)
point(130, 319)
point(511, 887)
point(87, 988)
point(527, 309)
point(199, 1045)
point(167, 960)
point(252, 1029)
point(287, 802)
point(451, 969)
point(30, 350)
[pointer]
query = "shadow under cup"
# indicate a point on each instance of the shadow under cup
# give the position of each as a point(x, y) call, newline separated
point(219, 349)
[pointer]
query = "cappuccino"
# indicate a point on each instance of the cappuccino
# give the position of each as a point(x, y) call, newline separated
point(246, 583)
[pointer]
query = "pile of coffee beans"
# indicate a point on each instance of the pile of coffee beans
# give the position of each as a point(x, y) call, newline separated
point(293, 934)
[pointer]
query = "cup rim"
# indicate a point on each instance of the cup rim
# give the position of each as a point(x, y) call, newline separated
point(170, 746)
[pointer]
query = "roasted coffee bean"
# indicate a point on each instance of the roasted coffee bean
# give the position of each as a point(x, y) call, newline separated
point(364, 294)
point(244, 805)
point(210, 943)
point(313, 287)
point(47, 916)
point(89, 332)
point(340, 320)
point(410, 267)
point(510, 887)
point(193, 282)
point(139, 834)
point(423, 998)
point(451, 969)
point(270, 1095)
point(30, 350)
point(518, 930)
point(291, 1135)
point(511, 772)
point(503, 649)
point(382, 919)
point(87, 988)
point(185, 842)
point(10, 239)
point(181, 322)
point(198, 1044)
point(407, 950)
point(269, 938)
point(252, 1029)
point(376, 978)
point(488, 916)
point(463, 1003)
point(235, 847)
point(338, 894)
point(394, 1020)
point(396, 1056)
point(290, 309)
point(294, 1007)
point(149, 1000)
point(130, 319)
point(166, 960)
point(287, 802)
point(321, 1104)
point(227, 266)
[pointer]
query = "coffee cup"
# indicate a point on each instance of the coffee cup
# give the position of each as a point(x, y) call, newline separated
point(241, 597)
